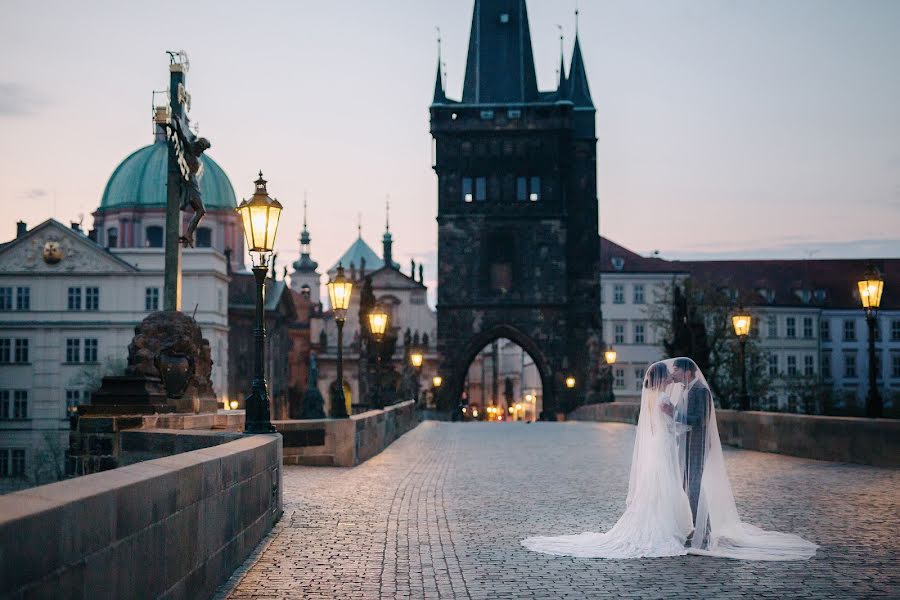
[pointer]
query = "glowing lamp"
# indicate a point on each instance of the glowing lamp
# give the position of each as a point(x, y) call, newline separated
point(870, 288)
point(741, 323)
point(570, 382)
point(437, 380)
point(339, 290)
point(260, 215)
point(416, 358)
point(378, 322)
point(610, 356)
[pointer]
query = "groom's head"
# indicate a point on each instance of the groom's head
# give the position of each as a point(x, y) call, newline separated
point(684, 370)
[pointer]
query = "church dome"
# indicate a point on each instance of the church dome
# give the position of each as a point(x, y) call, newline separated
point(140, 181)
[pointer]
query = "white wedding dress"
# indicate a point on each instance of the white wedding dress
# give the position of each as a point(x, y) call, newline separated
point(658, 520)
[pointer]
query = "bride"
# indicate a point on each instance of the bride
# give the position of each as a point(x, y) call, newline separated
point(679, 497)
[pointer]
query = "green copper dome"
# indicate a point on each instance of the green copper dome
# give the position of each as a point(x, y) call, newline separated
point(140, 181)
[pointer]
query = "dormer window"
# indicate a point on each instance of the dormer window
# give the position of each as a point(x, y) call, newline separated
point(819, 295)
point(767, 294)
point(618, 263)
point(504, 18)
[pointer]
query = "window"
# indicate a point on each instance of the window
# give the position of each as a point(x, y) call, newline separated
point(534, 191)
point(850, 365)
point(791, 327)
point(90, 350)
point(20, 404)
point(895, 330)
point(772, 326)
point(6, 295)
point(480, 189)
point(825, 367)
point(528, 188)
point(521, 189)
point(619, 378)
point(773, 365)
point(73, 350)
point(895, 365)
point(5, 351)
point(4, 405)
point(23, 298)
point(74, 298)
point(825, 330)
point(849, 331)
point(807, 327)
point(639, 372)
point(487, 115)
point(204, 237)
point(74, 399)
point(809, 365)
point(501, 252)
point(638, 333)
point(791, 365)
point(12, 462)
point(467, 189)
point(112, 237)
point(618, 294)
point(92, 298)
point(151, 298)
point(619, 333)
point(155, 236)
point(513, 113)
point(639, 294)
point(21, 351)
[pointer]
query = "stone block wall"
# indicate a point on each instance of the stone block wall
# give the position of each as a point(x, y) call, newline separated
point(840, 439)
point(345, 442)
point(174, 527)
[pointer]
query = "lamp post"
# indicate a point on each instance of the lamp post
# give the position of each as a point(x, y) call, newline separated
point(870, 288)
point(339, 290)
point(378, 322)
point(741, 322)
point(259, 216)
point(436, 382)
point(417, 358)
point(610, 357)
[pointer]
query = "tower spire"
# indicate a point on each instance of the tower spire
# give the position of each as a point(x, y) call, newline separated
point(561, 79)
point(387, 241)
point(439, 95)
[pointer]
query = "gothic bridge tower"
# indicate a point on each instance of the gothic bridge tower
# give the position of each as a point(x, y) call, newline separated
point(518, 238)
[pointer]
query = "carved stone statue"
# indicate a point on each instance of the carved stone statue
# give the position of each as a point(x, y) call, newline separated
point(313, 402)
point(189, 148)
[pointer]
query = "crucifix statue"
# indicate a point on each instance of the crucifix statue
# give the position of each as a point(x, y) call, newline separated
point(183, 183)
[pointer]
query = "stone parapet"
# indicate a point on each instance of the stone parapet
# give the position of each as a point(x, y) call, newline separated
point(839, 439)
point(174, 527)
point(345, 442)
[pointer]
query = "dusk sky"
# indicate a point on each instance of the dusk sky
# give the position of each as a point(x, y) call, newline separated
point(725, 128)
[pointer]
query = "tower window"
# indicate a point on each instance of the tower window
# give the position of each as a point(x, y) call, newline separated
point(479, 193)
point(467, 189)
point(500, 255)
point(112, 237)
point(534, 192)
point(480, 189)
point(204, 237)
point(528, 188)
point(155, 236)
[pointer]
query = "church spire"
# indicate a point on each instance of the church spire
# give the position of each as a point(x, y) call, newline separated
point(306, 264)
point(439, 96)
point(561, 82)
point(500, 63)
point(579, 91)
point(387, 241)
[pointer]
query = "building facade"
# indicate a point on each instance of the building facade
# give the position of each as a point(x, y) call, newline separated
point(68, 309)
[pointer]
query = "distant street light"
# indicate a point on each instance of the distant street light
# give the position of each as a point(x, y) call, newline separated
point(870, 288)
point(610, 357)
point(417, 358)
point(259, 216)
point(741, 321)
point(570, 382)
point(339, 290)
point(378, 322)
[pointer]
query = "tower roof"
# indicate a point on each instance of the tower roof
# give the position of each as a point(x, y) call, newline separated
point(500, 63)
point(439, 96)
point(359, 249)
point(579, 91)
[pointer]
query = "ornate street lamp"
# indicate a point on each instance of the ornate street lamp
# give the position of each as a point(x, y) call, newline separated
point(339, 290)
point(416, 358)
point(610, 357)
point(378, 323)
point(870, 288)
point(741, 322)
point(259, 216)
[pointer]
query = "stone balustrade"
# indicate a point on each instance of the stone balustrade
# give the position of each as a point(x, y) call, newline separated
point(345, 442)
point(840, 439)
point(174, 527)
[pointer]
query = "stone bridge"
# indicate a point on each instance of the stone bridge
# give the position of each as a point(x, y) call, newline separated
point(440, 514)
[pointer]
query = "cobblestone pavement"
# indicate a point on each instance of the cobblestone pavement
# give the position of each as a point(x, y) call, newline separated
point(440, 514)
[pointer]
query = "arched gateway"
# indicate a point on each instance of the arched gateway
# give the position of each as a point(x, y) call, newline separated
point(518, 238)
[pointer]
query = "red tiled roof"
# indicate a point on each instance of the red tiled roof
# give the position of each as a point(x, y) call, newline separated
point(618, 259)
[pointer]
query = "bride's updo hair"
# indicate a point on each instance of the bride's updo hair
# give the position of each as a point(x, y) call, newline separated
point(656, 375)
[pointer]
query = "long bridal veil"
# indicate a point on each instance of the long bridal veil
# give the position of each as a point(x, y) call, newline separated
point(677, 456)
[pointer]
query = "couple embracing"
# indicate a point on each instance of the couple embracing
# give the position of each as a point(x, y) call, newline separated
point(679, 497)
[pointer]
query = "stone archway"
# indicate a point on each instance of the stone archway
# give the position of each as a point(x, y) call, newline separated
point(459, 366)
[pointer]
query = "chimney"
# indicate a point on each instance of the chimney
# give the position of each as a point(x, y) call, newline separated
point(21, 229)
point(76, 226)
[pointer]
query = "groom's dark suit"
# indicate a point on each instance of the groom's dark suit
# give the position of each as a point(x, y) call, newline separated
point(695, 415)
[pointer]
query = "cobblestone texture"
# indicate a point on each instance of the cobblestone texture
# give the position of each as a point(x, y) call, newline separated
point(440, 514)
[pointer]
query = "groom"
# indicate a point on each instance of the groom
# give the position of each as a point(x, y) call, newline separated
point(695, 414)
